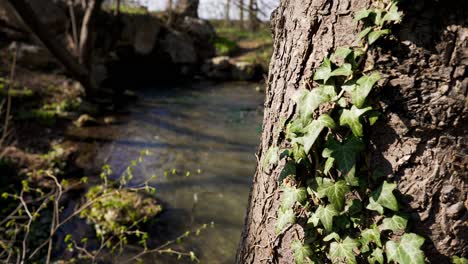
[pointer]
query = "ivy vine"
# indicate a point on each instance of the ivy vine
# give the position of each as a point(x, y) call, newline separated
point(351, 212)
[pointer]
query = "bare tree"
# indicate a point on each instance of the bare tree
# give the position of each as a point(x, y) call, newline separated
point(227, 9)
point(253, 19)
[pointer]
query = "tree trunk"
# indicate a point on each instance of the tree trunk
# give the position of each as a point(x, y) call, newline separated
point(227, 10)
point(253, 20)
point(421, 140)
point(87, 32)
point(31, 19)
point(241, 14)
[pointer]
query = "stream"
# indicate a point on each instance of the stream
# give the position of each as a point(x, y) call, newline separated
point(209, 130)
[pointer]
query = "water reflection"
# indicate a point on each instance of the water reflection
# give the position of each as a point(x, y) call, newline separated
point(211, 128)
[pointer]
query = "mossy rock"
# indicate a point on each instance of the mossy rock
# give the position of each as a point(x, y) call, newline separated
point(118, 210)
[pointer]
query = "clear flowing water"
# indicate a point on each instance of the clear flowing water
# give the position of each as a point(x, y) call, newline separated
point(207, 128)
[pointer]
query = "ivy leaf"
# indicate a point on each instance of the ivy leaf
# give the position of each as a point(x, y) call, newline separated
point(271, 157)
point(351, 119)
point(384, 196)
point(345, 155)
point(375, 35)
point(289, 169)
point(407, 250)
point(328, 165)
point(301, 252)
point(313, 130)
point(314, 220)
point(360, 89)
point(336, 194)
point(363, 13)
point(326, 214)
point(308, 101)
point(392, 14)
point(331, 236)
point(395, 223)
point(291, 195)
point(342, 252)
point(364, 33)
point(376, 257)
point(324, 71)
point(370, 235)
point(373, 116)
point(345, 70)
point(341, 53)
point(355, 207)
point(459, 260)
point(374, 206)
point(285, 218)
point(323, 184)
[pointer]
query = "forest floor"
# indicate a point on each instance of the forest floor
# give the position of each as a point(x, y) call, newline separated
point(244, 45)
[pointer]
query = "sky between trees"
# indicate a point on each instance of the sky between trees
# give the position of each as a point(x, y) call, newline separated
point(215, 9)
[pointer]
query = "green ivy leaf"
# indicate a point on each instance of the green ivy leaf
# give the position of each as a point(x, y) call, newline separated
point(363, 13)
point(345, 70)
point(459, 260)
point(343, 252)
point(345, 155)
point(374, 206)
point(395, 223)
point(360, 89)
point(322, 186)
point(289, 169)
point(355, 207)
point(341, 53)
point(375, 35)
point(314, 220)
point(292, 195)
point(308, 101)
point(376, 257)
point(407, 250)
point(373, 116)
point(324, 71)
point(301, 252)
point(271, 157)
point(326, 214)
point(313, 130)
point(332, 236)
point(285, 218)
point(364, 33)
point(370, 235)
point(384, 196)
point(351, 118)
point(335, 193)
point(392, 14)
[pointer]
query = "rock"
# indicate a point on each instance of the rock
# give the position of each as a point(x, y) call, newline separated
point(85, 120)
point(187, 8)
point(32, 56)
point(52, 15)
point(109, 120)
point(244, 71)
point(146, 36)
point(455, 209)
point(112, 213)
point(179, 47)
point(202, 34)
point(218, 68)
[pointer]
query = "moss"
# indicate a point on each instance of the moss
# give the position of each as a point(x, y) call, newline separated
point(225, 46)
point(117, 210)
point(44, 117)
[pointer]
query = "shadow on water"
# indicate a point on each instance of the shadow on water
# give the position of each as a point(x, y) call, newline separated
point(211, 131)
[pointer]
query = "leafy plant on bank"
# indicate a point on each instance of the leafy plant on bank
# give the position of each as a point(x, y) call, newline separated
point(353, 214)
point(35, 215)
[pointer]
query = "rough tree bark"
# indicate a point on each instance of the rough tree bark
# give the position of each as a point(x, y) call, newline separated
point(420, 142)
